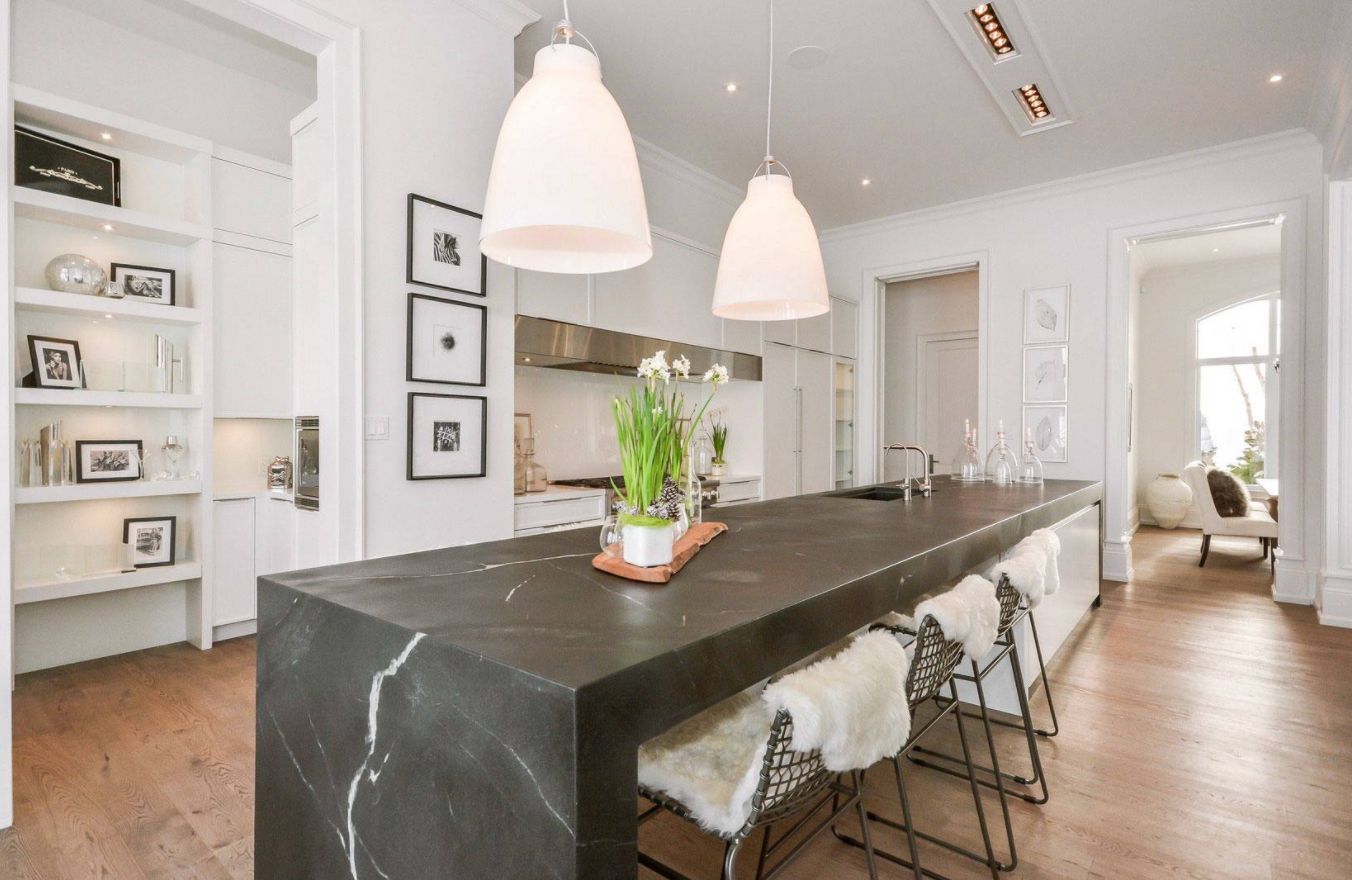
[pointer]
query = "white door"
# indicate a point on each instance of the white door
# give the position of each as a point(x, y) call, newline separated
point(816, 391)
point(779, 383)
point(252, 318)
point(948, 378)
point(233, 591)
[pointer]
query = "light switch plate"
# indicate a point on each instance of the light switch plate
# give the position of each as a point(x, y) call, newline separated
point(377, 427)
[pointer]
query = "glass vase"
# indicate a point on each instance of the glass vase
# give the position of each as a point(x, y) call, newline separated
point(693, 502)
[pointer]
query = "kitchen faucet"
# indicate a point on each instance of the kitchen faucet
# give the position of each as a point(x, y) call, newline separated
point(926, 486)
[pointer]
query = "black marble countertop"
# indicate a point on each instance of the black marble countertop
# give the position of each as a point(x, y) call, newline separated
point(536, 605)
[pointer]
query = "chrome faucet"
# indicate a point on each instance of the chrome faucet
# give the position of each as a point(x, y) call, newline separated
point(926, 486)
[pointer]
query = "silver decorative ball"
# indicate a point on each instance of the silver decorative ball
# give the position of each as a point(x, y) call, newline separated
point(73, 273)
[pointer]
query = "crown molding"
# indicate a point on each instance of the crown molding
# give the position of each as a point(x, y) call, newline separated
point(510, 14)
point(655, 157)
point(1237, 150)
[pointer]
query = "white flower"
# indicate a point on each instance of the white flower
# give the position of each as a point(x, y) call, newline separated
point(655, 368)
point(657, 410)
point(681, 366)
point(717, 374)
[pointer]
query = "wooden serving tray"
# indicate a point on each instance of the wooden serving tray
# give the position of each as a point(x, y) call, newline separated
point(686, 547)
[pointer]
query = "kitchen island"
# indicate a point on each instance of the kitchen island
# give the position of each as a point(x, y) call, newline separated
point(475, 712)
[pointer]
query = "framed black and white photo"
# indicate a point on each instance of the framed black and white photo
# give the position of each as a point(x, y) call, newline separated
point(447, 341)
point(1046, 425)
point(443, 247)
point(145, 282)
point(151, 539)
point(56, 362)
point(446, 436)
point(45, 163)
point(1045, 374)
point(1046, 315)
point(107, 461)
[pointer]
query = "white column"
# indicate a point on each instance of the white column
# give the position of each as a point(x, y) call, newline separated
point(1335, 595)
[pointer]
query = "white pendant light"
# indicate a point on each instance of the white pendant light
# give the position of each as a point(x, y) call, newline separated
point(564, 193)
point(771, 265)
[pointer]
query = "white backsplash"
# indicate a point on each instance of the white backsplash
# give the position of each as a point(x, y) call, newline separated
point(575, 430)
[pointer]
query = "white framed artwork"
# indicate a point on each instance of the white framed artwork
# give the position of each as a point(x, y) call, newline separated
point(446, 341)
point(1046, 427)
point(1046, 315)
point(1045, 374)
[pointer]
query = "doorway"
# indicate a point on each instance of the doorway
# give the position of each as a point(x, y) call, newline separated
point(931, 365)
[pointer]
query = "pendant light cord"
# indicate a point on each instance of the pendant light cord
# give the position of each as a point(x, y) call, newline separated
point(769, 91)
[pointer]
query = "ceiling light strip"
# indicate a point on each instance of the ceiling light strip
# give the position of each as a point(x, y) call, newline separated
point(992, 31)
point(1030, 98)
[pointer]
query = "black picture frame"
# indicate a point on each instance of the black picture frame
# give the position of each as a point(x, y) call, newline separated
point(38, 380)
point(173, 537)
point(483, 339)
point(413, 199)
point(115, 270)
point(483, 434)
point(81, 477)
point(49, 164)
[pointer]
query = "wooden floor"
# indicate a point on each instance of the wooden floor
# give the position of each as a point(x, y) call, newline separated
point(1206, 732)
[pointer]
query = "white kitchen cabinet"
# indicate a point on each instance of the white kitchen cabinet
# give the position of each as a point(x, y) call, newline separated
point(558, 508)
point(234, 595)
point(553, 296)
point(782, 332)
point(275, 534)
point(815, 333)
point(252, 333)
point(799, 426)
point(250, 201)
point(670, 296)
point(742, 336)
point(844, 328)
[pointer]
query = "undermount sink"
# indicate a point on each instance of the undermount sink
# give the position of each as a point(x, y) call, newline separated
point(870, 493)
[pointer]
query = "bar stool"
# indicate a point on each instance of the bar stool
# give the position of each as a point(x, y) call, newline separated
point(936, 656)
point(788, 752)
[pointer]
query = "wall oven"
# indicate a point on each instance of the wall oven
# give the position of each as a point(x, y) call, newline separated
point(307, 462)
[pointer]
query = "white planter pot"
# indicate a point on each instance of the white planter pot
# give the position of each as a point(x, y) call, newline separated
point(718, 470)
point(646, 546)
point(1169, 500)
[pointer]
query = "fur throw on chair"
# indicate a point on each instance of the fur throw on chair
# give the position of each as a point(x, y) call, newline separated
point(1230, 495)
point(968, 614)
point(1032, 566)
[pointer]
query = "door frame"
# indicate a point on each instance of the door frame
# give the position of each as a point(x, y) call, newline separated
point(1291, 583)
point(872, 345)
point(921, 377)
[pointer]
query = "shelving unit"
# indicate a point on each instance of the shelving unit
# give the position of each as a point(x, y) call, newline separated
point(165, 220)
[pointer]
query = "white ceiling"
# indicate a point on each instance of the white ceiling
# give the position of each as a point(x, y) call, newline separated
point(898, 102)
point(1211, 247)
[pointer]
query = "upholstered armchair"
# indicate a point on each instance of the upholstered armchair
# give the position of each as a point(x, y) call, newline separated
point(1258, 524)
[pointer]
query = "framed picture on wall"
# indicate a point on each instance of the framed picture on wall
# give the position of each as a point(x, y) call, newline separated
point(447, 341)
point(107, 461)
point(1046, 425)
point(1045, 374)
point(146, 283)
point(443, 247)
point(1046, 315)
point(56, 362)
point(446, 436)
point(45, 163)
point(151, 539)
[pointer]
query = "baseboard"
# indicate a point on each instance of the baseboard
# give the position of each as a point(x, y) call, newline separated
point(1335, 600)
point(1117, 560)
point(234, 630)
point(1292, 582)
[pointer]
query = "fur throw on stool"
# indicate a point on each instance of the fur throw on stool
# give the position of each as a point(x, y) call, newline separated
point(1230, 495)
point(968, 614)
point(1032, 566)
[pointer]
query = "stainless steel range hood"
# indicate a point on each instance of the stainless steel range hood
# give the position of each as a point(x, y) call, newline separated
point(557, 345)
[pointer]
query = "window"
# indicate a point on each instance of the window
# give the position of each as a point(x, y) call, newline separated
point(1237, 389)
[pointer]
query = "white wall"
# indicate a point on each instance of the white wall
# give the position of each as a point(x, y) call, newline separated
point(1060, 234)
point(575, 426)
point(71, 53)
point(914, 308)
point(1171, 301)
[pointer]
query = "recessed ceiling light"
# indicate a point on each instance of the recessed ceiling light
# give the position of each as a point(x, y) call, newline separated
point(1215, 250)
point(107, 227)
point(865, 182)
point(991, 31)
point(109, 317)
point(106, 136)
point(730, 88)
point(1030, 98)
point(1275, 78)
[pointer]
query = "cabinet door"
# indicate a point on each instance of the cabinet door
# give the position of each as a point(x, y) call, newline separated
point(252, 318)
point(249, 201)
point(781, 422)
point(233, 594)
point(783, 332)
point(668, 297)
point(742, 336)
point(844, 328)
point(275, 536)
point(547, 295)
point(817, 411)
point(815, 333)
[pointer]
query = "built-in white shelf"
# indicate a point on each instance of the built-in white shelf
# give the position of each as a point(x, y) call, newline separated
point(100, 491)
point(38, 205)
point(37, 299)
point(44, 591)
point(85, 397)
point(34, 107)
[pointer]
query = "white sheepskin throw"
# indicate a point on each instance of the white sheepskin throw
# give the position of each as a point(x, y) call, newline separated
point(1026, 568)
point(1050, 543)
point(851, 706)
point(968, 614)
